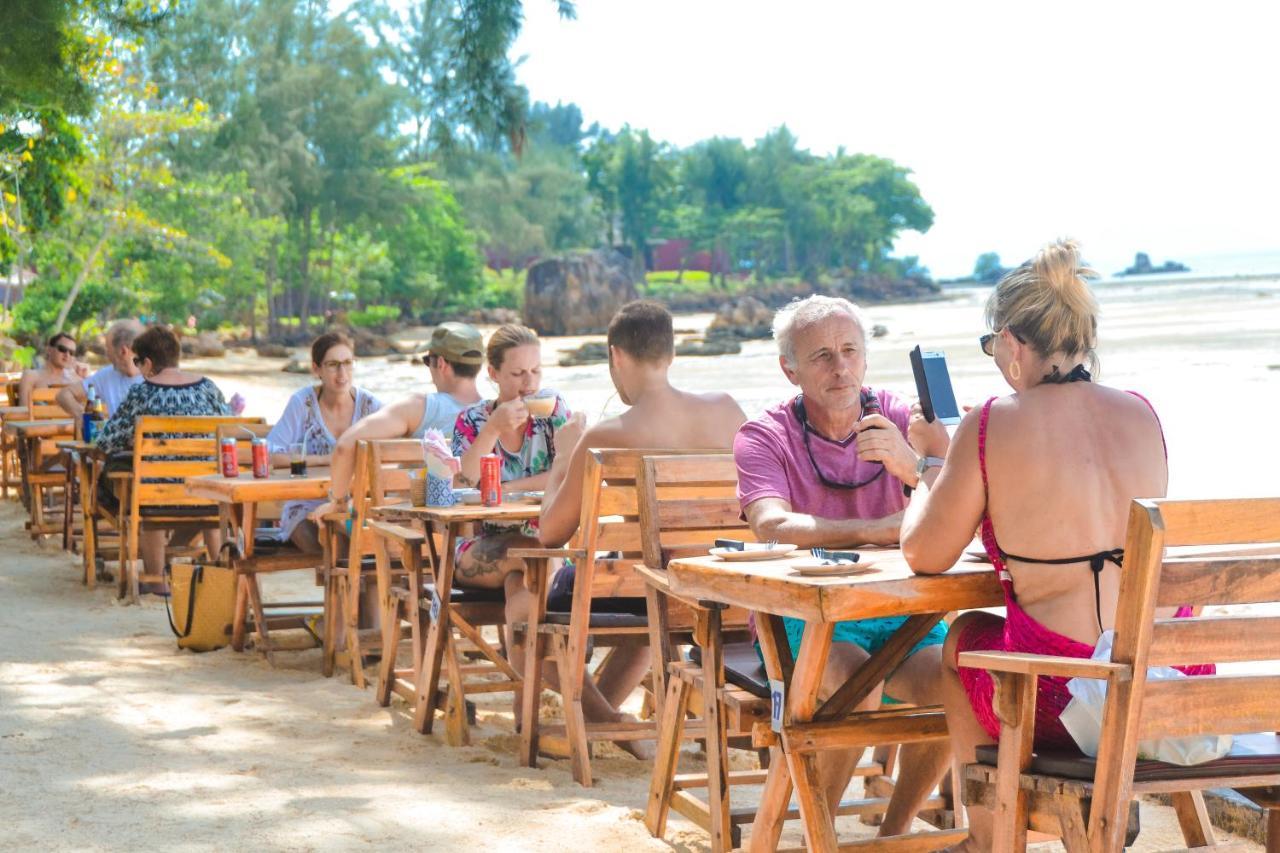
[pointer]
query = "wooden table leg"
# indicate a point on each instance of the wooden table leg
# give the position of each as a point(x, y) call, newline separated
point(802, 704)
point(89, 549)
point(766, 830)
point(437, 635)
point(878, 667)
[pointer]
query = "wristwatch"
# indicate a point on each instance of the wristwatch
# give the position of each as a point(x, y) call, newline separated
point(924, 463)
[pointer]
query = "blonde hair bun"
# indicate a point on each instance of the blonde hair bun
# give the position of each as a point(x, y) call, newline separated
point(1048, 301)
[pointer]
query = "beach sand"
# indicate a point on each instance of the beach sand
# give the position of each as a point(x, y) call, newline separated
point(112, 739)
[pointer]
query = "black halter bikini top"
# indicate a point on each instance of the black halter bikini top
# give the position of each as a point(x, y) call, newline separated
point(1097, 562)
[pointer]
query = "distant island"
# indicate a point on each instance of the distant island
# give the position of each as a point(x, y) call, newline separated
point(1142, 266)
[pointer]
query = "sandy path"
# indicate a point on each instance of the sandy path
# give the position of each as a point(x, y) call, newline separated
point(110, 739)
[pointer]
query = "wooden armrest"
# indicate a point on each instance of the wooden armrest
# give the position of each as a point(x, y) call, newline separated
point(336, 517)
point(1029, 664)
point(547, 553)
point(403, 535)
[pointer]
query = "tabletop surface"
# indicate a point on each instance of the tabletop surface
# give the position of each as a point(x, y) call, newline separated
point(889, 589)
point(279, 486)
point(40, 427)
point(460, 512)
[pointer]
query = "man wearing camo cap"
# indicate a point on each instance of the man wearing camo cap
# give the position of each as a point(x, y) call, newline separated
point(454, 357)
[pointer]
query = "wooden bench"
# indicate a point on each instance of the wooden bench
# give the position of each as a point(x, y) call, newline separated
point(1088, 802)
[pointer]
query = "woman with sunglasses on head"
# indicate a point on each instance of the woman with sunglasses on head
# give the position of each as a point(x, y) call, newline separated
point(166, 389)
point(828, 468)
point(1051, 468)
point(316, 417)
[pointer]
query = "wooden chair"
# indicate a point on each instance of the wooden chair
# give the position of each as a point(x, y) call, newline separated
point(1088, 802)
point(43, 470)
point(380, 477)
point(10, 465)
point(166, 451)
point(609, 524)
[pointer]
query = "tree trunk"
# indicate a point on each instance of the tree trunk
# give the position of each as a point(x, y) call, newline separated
point(83, 276)
point(304, 274)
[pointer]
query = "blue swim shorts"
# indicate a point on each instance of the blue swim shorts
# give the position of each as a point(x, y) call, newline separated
point(867, 634)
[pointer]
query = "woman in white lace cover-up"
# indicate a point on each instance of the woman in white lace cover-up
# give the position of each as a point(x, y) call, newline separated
point(316, 416)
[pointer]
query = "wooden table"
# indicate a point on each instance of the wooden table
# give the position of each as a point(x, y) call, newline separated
point(450, 521)
point(772, 589)
point(28, 434)
point(238, 499)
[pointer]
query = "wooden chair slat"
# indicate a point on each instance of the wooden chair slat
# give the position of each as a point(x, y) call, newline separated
point(175, 468)
point(619, 536)
point(1220, 522)
point(189, 447)
point(711, 512)
point(618, 500)
point(710, 468)
point(1219, 580)
point(1204, 640)
point(1217, 704)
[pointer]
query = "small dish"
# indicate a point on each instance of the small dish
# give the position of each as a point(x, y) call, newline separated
point(754, 551)
point(467, 496)
point(522, 497)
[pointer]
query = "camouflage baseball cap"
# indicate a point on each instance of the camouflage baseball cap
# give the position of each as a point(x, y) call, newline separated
point(460, 343)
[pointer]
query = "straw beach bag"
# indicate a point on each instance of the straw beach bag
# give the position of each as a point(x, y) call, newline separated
point(202, 600)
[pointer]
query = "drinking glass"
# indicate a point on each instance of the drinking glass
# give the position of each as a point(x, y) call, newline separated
point(298, 459)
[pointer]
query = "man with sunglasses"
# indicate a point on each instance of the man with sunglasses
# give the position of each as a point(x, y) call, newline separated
point(827, 468)
point(60, 368)
point(454, 357)
point(110, 383)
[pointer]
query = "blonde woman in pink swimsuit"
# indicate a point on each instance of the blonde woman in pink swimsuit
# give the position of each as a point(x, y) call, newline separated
point(1053, 468)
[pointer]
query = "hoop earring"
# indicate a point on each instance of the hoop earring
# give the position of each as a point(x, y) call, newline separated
point(1015, 371)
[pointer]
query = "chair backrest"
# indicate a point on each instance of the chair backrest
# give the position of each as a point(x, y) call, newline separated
point(686, 503)
point(169, 449)
point(44, 404)
point(1228, 575)
point(610, 519)
point(381, 477)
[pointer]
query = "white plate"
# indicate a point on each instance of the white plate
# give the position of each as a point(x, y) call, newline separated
point(467, 496)
point(820, 568)
point(754, 551)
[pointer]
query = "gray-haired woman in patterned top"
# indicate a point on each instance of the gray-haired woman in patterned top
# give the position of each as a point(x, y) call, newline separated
point(166, 390)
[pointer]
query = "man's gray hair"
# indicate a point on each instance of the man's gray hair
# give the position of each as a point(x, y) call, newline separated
point(802, 313)
point(122, 333)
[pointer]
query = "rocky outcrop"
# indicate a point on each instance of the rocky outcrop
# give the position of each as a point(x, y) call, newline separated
point(710, 345)
point(493, 316)
point(370, 343)
point(203, 345)
point(745, 318)
point(592, 352)
point(269, 350)
point(1142, 266)
point(298, 365)
point(577, 294)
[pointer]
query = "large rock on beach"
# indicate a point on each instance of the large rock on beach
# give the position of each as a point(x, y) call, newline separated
point(298, 365)
point(577, 294)
point(745, 318)
point(370, 343)
point(203, 345)
point(493, 316)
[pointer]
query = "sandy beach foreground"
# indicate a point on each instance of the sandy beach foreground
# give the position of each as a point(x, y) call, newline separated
point(112, 739)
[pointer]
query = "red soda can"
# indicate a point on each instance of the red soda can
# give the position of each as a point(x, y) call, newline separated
point(490, 480)
point(261, 459)
point(230, 465)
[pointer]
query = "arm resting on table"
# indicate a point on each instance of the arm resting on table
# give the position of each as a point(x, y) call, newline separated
point(1029, 664)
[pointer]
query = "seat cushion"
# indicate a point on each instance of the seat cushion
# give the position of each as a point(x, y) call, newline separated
point(742, 668)
point(601, 619)
point(1250, 754)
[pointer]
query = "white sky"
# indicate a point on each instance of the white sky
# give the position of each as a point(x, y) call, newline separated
point(1131, 126)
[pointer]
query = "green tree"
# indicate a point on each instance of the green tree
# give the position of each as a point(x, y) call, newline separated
point(631, 175)
point(988, 268)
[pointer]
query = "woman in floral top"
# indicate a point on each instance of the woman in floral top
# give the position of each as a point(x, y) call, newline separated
point(525, 444)
point(166, 390)
point(315, 417)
